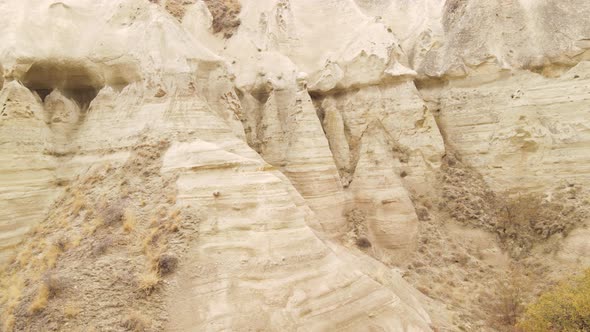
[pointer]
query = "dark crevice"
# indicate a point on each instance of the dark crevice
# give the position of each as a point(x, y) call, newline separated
point(77, 81)
point(43, 93)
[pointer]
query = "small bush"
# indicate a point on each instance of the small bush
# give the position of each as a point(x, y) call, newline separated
point(40, 301)
point(135, 322)
point(51, 256)
point(422, 214)
point(507, 305)
point(62, 243)
point(54, 284)
point(50, 287)
point(167, 264)
point(148, 282)
point(564, 308)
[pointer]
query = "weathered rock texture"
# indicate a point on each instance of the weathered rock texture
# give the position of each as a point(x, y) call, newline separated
point(291, 157)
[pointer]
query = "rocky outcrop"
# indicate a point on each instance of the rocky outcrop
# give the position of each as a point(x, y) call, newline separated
point(524, 131)
point(321, 143)
point(93, 107)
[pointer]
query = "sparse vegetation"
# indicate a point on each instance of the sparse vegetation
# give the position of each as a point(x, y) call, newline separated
point(78, 205)
point(129, 221)
point(71, 310)
point(526, 220)
point(135, 322)
point(520, 221)
point(508, 301)
point(148, 282)
point(565, 308)
point(167, 264)
point(225, 13)
point(50, 287)
point(73, 237)
point(51, 256)
point(225, 16)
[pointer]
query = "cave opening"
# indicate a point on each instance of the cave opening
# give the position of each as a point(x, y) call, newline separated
point(78, 81)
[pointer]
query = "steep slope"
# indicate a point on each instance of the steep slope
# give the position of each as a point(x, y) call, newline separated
point(288, 164)
point(152, 163)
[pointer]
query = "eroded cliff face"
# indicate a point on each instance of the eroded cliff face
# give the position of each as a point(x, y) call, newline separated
point(303, 162)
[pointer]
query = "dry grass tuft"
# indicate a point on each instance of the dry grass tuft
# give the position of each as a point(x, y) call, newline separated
point(148, 282)
point(11, 289)
point(40, 301)
point(51, 256)
point(175, 214)
point(24, 257)
point(129, 221)
point(136, 322)
point(78, 205)
point(71, 310)
point(62, 243)
point(151, 240)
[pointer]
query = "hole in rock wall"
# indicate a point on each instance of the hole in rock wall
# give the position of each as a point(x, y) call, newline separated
point(77, 81)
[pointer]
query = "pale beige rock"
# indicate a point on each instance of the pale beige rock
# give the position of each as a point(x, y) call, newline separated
point(310, 110)
point(524, 131)
point(268, 269)
point(102, 82)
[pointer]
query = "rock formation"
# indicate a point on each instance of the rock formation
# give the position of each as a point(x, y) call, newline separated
point(286, 164)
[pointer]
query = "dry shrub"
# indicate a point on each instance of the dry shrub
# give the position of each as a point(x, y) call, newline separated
point(166, 264)
point(78, 205)
point(50, 287)
point(136, 322)
point(422, 213)
point(129, 221)
point(520, 221)
point(528, 219)
point(177, 8)
point(507, 304)
point(356, 219)
point(148, 282)
point(11, 289)
point(225, 16)
point(151, 240)
point(51, 256)
point(62, 243)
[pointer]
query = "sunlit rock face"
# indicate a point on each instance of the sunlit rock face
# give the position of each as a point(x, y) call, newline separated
point(305, 134)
